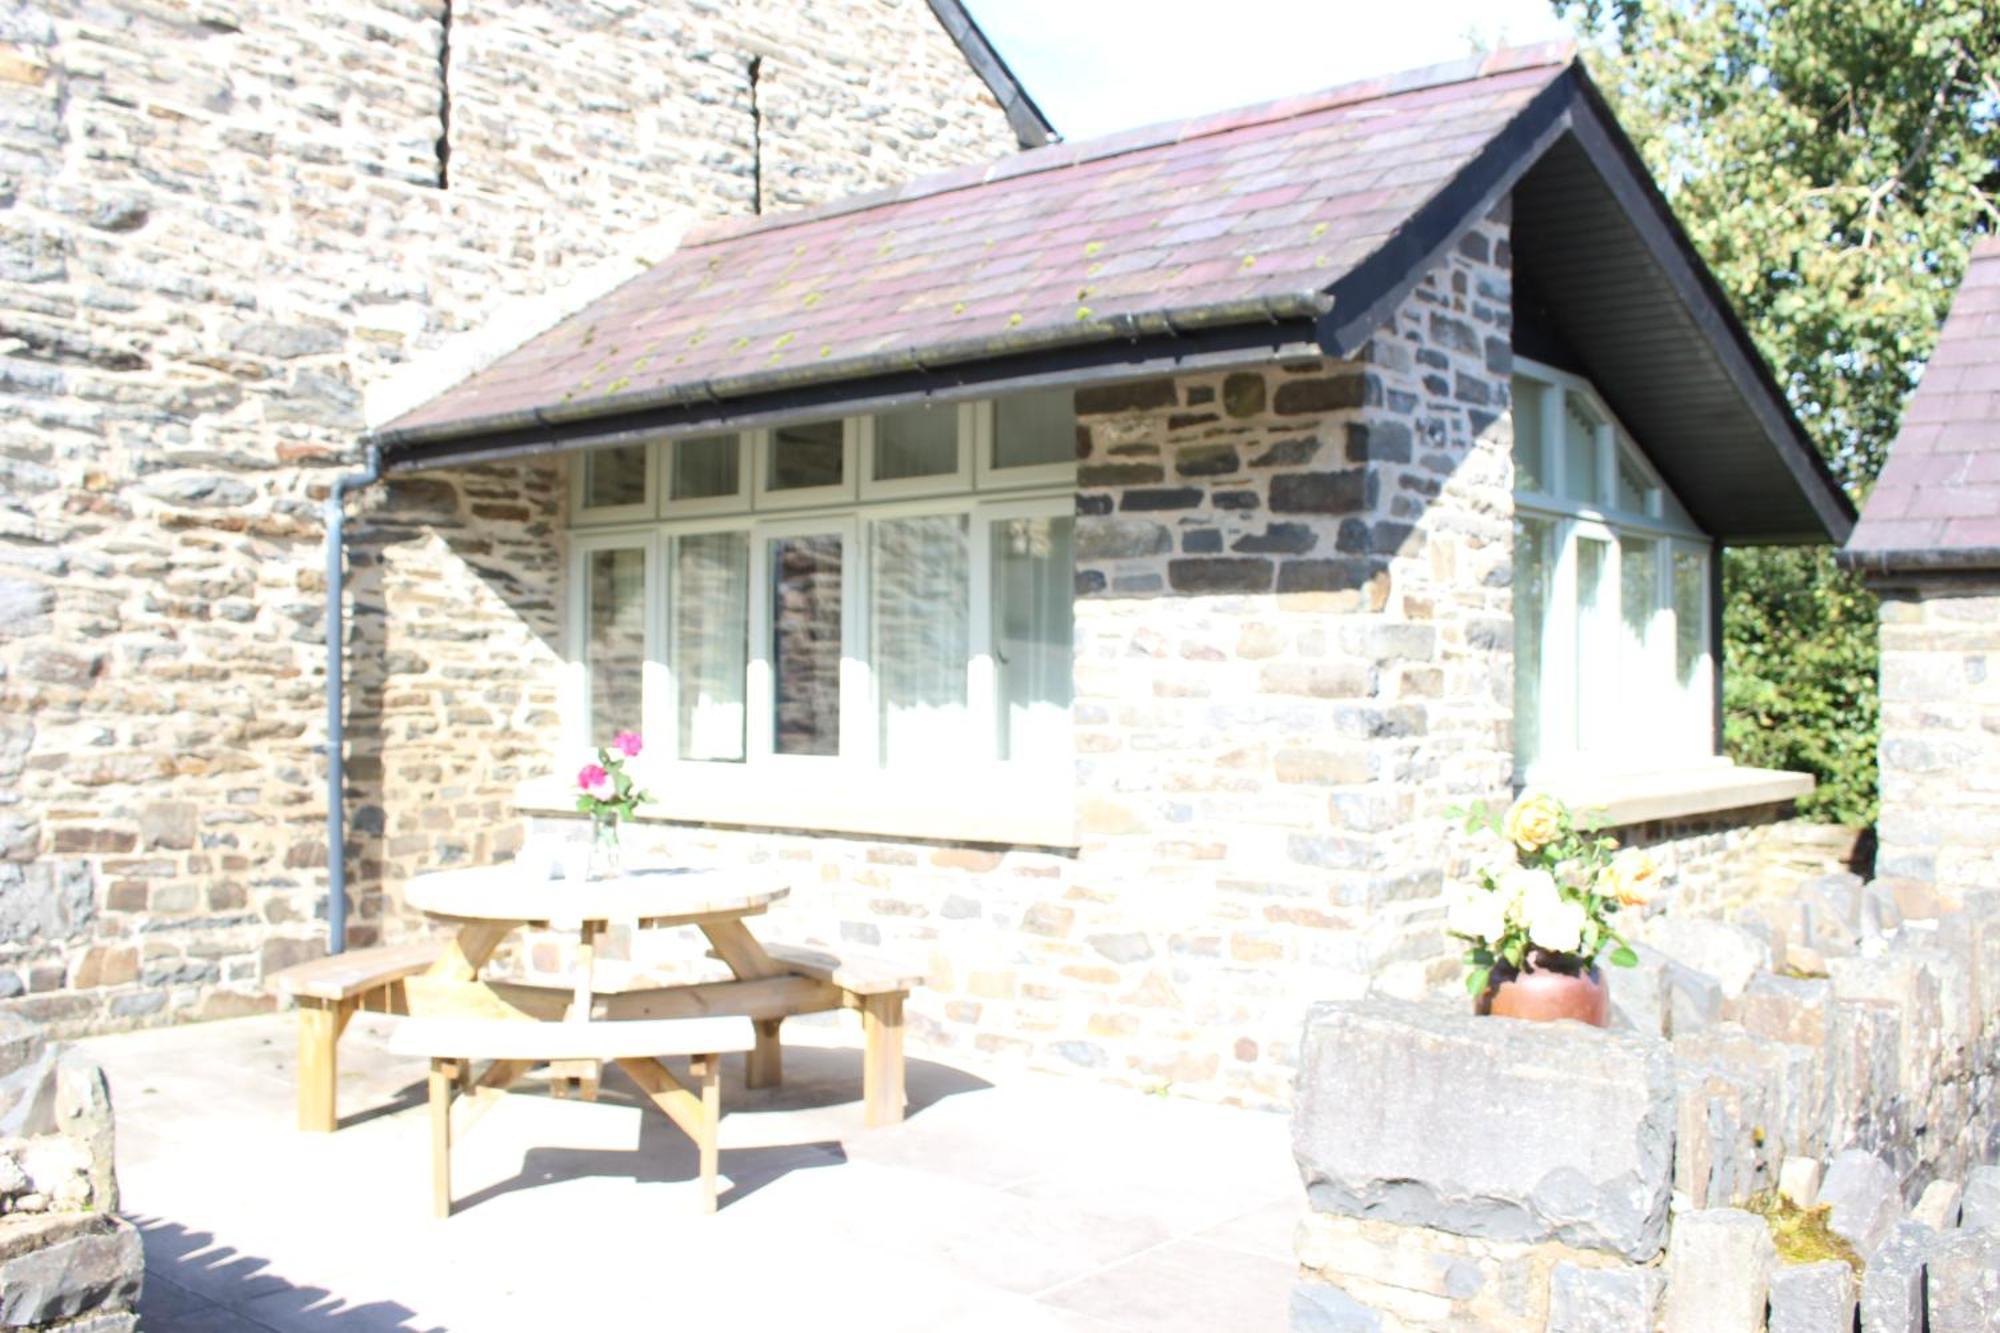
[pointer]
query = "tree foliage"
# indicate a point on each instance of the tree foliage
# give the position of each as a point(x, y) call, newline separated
point(1832, 160)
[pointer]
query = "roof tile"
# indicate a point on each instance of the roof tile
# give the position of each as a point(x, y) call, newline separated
point(1277, 201)
point(1938, 501)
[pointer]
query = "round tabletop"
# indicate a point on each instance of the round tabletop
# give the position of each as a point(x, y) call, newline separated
point(502, 893)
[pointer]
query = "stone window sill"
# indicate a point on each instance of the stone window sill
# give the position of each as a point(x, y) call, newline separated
point(1030, 811)
point(1640, 798)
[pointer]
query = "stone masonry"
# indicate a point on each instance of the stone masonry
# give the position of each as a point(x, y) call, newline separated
point(221, 225)
point(1940, 747)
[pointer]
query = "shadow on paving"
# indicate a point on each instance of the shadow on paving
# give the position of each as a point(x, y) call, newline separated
point(192, 1283)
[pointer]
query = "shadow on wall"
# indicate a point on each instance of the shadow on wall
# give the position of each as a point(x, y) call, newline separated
point(452, 672)
point(192, 1283)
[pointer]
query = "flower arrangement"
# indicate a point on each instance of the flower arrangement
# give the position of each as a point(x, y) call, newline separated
point(1553, 907)
point(605, 791)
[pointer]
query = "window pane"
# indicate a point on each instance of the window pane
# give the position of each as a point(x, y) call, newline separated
point(1032, 428)
point(1033, 584)
point(614, 476)
point(918, 630)
point(920, 442)
point(1690, 622)
point(710, 600)
point(805, 644)
point(1582, 479)
point(1596, 646)
point(1534, 588)
point(807, 455)
point(1639, 604)
point(705, 467)
point(615, 639)
point(1632, 485)
point(1528, 473)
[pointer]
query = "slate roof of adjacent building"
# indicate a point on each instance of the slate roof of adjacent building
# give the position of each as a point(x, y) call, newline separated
point(1937, 503)
point(1291, 228)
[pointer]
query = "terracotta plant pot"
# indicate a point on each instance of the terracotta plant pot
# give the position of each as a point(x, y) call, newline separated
point(1554, 989)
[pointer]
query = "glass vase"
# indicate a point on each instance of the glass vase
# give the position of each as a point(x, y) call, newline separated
point(605, 861)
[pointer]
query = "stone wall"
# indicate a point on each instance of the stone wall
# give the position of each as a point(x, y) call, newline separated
point(220, 226)
point(1514, 1176)
point(1940, 747)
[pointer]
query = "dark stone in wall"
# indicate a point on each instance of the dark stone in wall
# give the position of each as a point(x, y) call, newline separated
point(1171, 497)
point(1207, 460)
point(1202, 541)
point(1236, 500)
point(1139, 396)
point(1287, 453)
point(1278, 539)
point(1119, 474)
point(1221, 574)
point(1378, 442)
point(1243, 395)
point(1089, 505)
point(1347, 492)
point(1296, 397)
point(1324, 575)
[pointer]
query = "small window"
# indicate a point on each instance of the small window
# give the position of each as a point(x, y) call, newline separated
point(917, 442)
point(614, 484)
point(1033, 596)
point(1582, 475)
point(810, 462)
point(707, 473)
point(708, 600)
point(919, 621)
point(806, 596)
point(1534, 588)
point(1635, 488)
point(1530, 473)
point(1032, 439)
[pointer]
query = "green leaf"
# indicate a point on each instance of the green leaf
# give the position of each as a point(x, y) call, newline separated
point(1623, 956)
point(1476, 978)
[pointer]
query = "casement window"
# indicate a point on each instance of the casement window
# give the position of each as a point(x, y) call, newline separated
point(1613, 659)
point(826, 603)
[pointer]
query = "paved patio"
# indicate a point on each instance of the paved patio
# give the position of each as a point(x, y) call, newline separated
point(1022, 1203)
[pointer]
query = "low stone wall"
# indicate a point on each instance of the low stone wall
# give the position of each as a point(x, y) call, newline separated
point(1487, 1173)
point(66, 1260)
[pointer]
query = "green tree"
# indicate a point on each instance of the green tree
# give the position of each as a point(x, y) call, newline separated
point(1833, 161)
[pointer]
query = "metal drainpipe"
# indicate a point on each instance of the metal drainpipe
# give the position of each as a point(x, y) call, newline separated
point(336, 724)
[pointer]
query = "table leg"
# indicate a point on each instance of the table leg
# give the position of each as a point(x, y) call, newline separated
point(444, 1075)
point(708, 1070)
point(882, 1097)
point(765, 1067)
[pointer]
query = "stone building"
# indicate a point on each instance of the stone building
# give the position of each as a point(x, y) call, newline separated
point(223, 226)
point(1096, 571)
point(1098, 574)
point(1929, 542)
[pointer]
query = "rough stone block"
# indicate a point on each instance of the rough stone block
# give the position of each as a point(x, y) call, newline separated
point(1812, 1298)
point(1965, 1283)
point(1321, 1307)
point(1861, 1190)
point(1641, 994)
point(1603, 1300)
point(1486, 1127)
point(1729, 953)
point(1788, 1009)
point(1981, 1204)
point(1694, 1000)
point(1938, 1209)
point(1719, 1267)
point(1839, 895)
point(1892, 1285)
point(1798, 1180)
point(67, 1265)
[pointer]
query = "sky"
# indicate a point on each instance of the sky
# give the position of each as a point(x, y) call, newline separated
point(1096, 66)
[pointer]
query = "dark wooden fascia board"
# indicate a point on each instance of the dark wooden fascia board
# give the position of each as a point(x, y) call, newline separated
point(1030, 126)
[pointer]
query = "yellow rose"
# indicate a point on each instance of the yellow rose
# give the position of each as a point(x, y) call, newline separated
point(1533, 822)
point(1635, 877)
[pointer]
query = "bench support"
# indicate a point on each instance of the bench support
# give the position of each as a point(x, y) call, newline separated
point(320, 1024)
point(765, 1065)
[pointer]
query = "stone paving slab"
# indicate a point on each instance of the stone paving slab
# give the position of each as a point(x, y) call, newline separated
point(1018, 1202)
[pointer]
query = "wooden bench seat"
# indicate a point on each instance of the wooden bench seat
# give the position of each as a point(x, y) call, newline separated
point(876, 987)
point(634, 1045)
point(331, 990)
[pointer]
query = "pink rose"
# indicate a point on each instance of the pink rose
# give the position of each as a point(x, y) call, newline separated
point(626, 743)
point(592, 778)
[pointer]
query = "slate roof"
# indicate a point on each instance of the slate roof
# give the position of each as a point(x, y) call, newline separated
point(1937, 503)
point(1246, 215)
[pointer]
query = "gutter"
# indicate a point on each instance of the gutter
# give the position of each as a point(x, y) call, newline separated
point(1168, 323)
point(1919, 562)
point(336, 719)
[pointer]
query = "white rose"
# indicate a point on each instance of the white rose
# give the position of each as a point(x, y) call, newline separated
point(1527, 892)
point(1477, 913)
point(1557, 926)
